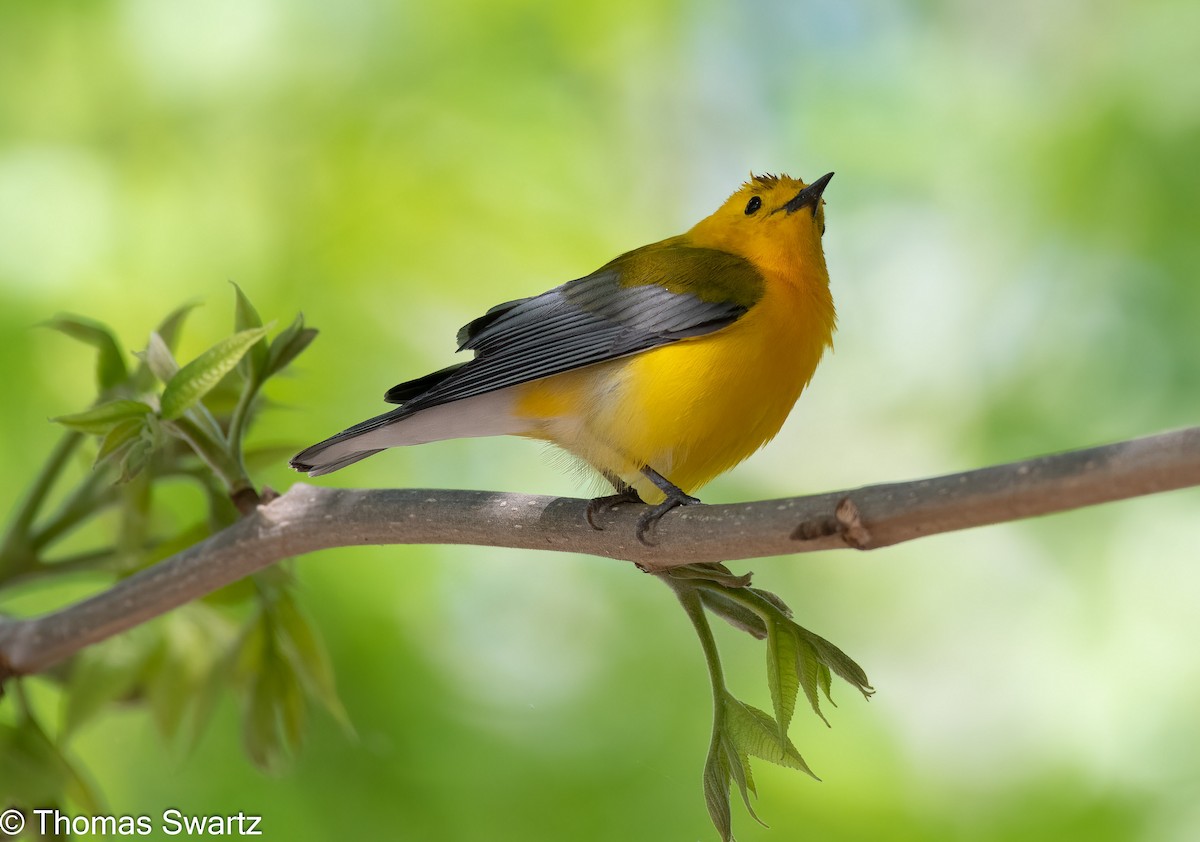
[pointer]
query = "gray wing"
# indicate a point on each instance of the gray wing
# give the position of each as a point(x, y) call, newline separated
point(583, 322)
point(680, 291)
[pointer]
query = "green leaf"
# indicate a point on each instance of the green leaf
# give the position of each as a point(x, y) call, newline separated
point(197, 378)
point(813, 674)
point(276, 713)
point(755, 733)
point(782, 677)
point(260, 734)
point(170, 327)
point(100, 675)
point(773, 600)
point(251, 664)
point(34, 771)
point(841, 663)
point(119, 437)
point(716, 789)
point(302, 645)
point(288, 345)
point(175, 672)
point(735, 614)
point(205, 701)
point(245, 317)
point(221, 672)
point(100, 419)
point(159, 359)
point(168, 336)
point(135, 461)
point(292, 705)
point(249, 652)
point(714, 572)
point(110, 366)
point(739, 769)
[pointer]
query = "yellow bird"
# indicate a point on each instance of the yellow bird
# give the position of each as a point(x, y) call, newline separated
point(662, 369)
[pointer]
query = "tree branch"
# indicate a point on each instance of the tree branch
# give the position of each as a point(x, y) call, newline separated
point(308, 518)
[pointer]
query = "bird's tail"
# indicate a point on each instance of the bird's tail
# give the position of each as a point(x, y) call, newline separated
point(489, 414)
point(346, 448)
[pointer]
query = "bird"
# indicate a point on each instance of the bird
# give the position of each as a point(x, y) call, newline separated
point(665, 367)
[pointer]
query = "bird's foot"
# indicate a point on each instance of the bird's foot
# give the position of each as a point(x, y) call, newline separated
point(675, 498)
point(608, 502)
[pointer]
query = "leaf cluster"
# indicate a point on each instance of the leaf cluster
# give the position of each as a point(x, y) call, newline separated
point(156, 421)
point(205, 405)
point(797, 660)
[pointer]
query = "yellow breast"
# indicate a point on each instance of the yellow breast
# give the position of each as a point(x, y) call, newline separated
point(692, 409)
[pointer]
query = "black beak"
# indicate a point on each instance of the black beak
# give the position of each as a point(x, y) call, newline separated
point(809, 196)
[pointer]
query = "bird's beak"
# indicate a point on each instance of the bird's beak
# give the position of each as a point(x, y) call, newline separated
point(809, 196)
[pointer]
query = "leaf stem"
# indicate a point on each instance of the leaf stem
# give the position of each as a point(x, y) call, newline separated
point(82, 504)
point(213, 454)
point(237, 422)
point(686, 593)
point(16, 554)
point(748, 598)
point(89, 561)
point(716, 765)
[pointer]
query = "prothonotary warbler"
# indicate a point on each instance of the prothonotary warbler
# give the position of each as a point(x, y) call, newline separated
point(661, 369)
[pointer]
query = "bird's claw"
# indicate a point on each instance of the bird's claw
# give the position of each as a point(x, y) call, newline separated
point(606, 503)
point(647, 522)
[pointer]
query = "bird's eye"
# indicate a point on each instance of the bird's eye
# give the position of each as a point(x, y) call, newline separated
point(753, 205)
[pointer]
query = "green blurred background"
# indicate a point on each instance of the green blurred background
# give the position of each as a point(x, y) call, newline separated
point(1013, 239)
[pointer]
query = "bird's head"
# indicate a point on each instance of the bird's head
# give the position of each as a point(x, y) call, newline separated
point(776, 222)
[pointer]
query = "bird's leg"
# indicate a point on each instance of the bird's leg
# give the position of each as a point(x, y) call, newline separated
point(675, 497)
point(625, 494)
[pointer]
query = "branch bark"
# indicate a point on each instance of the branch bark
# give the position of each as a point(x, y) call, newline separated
point(308, 518)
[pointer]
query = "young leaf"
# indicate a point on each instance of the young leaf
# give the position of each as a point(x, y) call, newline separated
point(175, 671)
point(159, 359)
point(167, 336)
point(254, 659)
point(197, 378)
point(34, 771)
point(288, 345)
point(716, 789)
point(136, 459)
point(260, 732)
point(100, 419)
point(782, 678)
point(736, 614)
point(99, 676)
point(110, 365)
point(290, 700)
point(303, 647)
point(841, 663)
point(755, 733)
point(119, 437)
point(245, 317)
point(813, 674)
point(169, 328)
point(714, 572)
point(220, 673)
point(739, 769)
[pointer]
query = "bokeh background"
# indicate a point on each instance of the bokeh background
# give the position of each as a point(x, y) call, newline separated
point(1013, 240)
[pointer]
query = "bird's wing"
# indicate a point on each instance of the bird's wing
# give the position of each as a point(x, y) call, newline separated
point(646, 298)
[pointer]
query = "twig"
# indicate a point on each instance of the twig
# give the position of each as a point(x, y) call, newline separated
point(307, 518)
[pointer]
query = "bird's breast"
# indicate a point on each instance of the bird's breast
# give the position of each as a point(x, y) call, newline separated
point(691, 409)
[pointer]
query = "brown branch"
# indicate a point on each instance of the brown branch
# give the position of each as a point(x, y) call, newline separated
point(307, 518)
